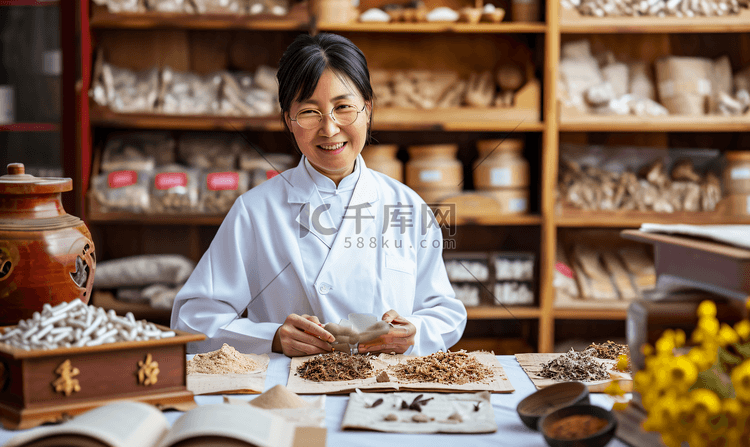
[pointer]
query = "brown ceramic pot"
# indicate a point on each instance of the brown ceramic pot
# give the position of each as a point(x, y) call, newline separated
point(46, 255)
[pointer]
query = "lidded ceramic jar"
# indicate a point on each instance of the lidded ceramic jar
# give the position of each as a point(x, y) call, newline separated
point(501, 172)
point(46, 255)
point(382, 158)
point(737, 172)
point(500, 165)
point(434, 172)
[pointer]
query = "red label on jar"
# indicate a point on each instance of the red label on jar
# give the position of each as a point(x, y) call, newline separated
point(167, 180)
point(271, 174)
point(564, 269)
point(118, 179)
point(219, 181)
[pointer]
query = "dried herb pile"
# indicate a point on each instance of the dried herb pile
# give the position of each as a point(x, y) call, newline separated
point(452, 368)
point(612, 351)
point(609, 350)
point(575, 366)
point(336, 366)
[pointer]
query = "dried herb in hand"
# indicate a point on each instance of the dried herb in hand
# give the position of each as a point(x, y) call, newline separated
point(336, 366)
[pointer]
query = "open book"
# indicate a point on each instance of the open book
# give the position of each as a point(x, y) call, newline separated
point(129, 424)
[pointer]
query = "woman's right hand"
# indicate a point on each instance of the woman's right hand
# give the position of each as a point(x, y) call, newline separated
point(302, 335)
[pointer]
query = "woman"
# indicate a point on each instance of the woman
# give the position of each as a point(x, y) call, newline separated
point(325, 239)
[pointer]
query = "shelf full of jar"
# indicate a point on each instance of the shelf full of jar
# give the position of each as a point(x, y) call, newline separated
point(570, 217)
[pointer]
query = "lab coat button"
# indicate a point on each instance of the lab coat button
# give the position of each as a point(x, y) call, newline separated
point(324, 288)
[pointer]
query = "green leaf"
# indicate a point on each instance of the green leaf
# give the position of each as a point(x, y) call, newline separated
point(716, 378)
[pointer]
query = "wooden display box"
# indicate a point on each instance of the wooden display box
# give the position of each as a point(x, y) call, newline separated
point(42, 386)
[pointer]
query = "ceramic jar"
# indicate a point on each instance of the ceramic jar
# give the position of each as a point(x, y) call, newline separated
point(46, 255)
point(382, 158)
point(434, 172)
point(501, 172)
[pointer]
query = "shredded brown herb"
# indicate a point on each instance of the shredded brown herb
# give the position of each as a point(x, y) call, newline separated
point(578, 366)
point(453, 368)
point(609, 350)
point(336, 366)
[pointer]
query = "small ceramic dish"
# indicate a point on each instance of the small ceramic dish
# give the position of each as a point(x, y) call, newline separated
point(578, 419)
point(495, 16)
point(470, 15)
point(549, 399)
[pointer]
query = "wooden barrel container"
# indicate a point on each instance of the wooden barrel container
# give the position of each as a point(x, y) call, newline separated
point(434, 169)
point(382, 158)
point(500, 165)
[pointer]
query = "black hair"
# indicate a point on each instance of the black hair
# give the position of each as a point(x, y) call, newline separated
point(305, 60)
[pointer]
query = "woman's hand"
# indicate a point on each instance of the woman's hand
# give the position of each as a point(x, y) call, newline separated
point(302, 335)
point(398, 339)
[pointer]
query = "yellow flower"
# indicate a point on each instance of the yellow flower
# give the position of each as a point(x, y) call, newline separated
point(706, 309)
point(622, 362)
point(705, 400)
point(664, 345)
point(682, 373)
point(613, 389)
point(679, 338)
point(706, 330)
point(620, 406)
point(743, 329)
point(701, 358)
point(741, 381)
point(671, 439)
point(727, 335)
point(647, 350)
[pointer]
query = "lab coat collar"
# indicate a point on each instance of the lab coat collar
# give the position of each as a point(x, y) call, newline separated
point(302, 188)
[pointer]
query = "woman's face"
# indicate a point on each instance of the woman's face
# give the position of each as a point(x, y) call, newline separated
point(331, 147)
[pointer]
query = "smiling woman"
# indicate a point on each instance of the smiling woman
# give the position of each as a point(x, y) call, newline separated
point(326, 239)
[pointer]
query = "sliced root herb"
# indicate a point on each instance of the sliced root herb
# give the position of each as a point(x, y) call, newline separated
point(452, 368)
point(336, 366)
point(574, 366)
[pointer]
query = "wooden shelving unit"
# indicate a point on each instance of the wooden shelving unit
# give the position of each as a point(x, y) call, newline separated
point(434, 46)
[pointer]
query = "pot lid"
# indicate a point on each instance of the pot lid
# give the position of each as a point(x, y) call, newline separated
point(18, 182)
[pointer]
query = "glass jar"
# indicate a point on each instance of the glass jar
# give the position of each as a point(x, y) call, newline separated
point(382, 158)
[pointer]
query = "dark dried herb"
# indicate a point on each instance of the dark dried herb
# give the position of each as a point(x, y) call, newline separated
point(452, 368)
point(376, 403)
point(404, 405)
point(336, 366)
point(609, 350)
point(417, 404)
point(476, 406)
point(574, 366)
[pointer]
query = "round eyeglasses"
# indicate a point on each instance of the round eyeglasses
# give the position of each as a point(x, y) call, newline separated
point(342, 115)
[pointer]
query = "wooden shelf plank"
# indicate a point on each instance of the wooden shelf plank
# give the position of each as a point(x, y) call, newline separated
point(496, 119)
point(501, 313)
point(30, 127)
point(673, 123)
point(634, 219)
point(101, 18)
point(29, 2)
point(503, 220)
point(572, 22)
point(104, 117)
point(398, 27)
point(600, 312)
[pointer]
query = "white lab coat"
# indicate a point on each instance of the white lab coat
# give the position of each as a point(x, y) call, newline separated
point(254, 264)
